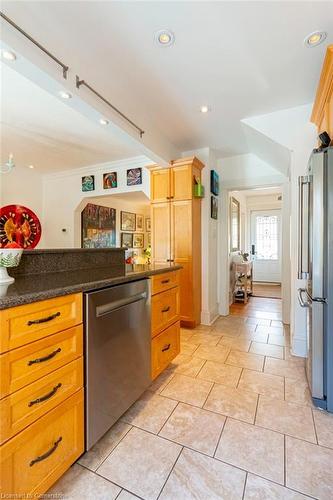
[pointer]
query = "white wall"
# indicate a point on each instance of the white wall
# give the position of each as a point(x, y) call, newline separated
point(63, 196)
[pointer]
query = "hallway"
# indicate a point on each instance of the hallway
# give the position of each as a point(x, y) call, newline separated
point(232, 412)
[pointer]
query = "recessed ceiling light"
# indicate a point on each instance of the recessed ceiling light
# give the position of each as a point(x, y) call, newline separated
point(315, 38)
point(8, 55)
point(164, 38)
point(205, 108)
point(65, 95)
point(103, 121)
point(31, 166)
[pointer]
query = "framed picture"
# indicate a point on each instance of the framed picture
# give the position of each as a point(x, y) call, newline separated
point(126, 240)
point(149, 239)
point(88, 183)
point(110, 180)
point(138, 240)
point(98, 226)
point(127, 221)
point(234, 225)
point(139, 222)
point(213, 207)
point(148, 224)
point(134, 176)
point(214, 182)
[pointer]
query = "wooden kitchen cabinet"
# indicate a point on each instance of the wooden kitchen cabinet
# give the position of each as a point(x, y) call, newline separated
point(176, 234)
point(160, 188)
point(322, 112)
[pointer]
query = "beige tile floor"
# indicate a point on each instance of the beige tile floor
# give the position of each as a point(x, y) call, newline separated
point(231, 418)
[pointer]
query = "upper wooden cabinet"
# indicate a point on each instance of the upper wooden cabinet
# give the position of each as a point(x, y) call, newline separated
point(175, 183)
point(322, 112)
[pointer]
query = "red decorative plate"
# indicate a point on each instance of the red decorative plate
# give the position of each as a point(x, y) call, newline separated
point(20, 225)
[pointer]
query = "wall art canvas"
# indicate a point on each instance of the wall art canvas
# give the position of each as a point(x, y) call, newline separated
point(134, 176)
point(110, 180)
point(139, 222)
point(148, 224)
point(98, 225)
point(127, 221)
point(138, 240)
point(20, 225)
point(126, 240)
point(213, 207)
point(88, 183)
point(214, 182)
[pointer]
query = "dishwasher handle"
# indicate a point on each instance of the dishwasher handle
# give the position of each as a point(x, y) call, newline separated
point(118, 304)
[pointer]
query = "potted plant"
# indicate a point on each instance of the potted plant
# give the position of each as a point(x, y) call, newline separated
point(10, 256)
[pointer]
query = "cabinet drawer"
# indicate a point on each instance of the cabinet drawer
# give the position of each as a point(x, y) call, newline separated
point(36, 457)
point(23, 324)
point(165, 310)
point(161, 282)
point(165, 348)
point(23, 366)
point(23, 407)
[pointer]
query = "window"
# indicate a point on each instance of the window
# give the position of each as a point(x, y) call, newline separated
point(267, 237)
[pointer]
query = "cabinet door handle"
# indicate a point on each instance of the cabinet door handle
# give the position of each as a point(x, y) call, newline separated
point(43, 320)
point(46, 397)
point(166, 347)
point(47, 454)
point(166, 309)
point(164, 282)
point(45, 358)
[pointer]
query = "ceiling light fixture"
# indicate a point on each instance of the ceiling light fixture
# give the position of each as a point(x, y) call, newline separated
point(164, 38)
point(103, 121)
point(65, 95)
point(8, 55)
point(31, 166)
point(204, 108)
point(315, 38)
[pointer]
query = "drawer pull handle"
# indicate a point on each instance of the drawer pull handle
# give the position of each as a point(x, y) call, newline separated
point(47, 454)
point(45, 358)
point(46, 397)
point(166, 309)
point(166, 347)
point(43, 320)
point(164, 282)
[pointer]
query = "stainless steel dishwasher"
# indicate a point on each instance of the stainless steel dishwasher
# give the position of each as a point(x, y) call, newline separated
point(117, 353)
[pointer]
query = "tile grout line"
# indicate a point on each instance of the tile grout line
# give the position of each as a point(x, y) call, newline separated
point(284, 462)
point(173, 411)
point(220, 436)
point(172, 468)
point(314, 425)
point(244, 489)
point(131, 427)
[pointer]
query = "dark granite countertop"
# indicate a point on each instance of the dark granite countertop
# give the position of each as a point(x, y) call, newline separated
point(35, 287)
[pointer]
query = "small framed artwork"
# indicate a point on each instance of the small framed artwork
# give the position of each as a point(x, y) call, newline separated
point(149, 239)
point(138, 240)
point(127, 221)
point(126, 240)
point(214, 182)
point(148, 224)
point(134, 176)
point(88, 183)
point(139, 222)
point(110, 180)
point(213, 207)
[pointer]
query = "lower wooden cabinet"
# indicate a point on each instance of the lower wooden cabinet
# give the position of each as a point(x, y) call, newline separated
point(165, 348)
point(164, 309)
point(36, 457)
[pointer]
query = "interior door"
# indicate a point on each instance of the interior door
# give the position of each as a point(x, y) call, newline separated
point(266, 245)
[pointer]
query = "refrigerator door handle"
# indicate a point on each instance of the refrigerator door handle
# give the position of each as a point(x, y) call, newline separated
point(300, 292)
point(303, 226)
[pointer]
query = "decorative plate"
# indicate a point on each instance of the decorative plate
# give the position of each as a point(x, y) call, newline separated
point(19, 225)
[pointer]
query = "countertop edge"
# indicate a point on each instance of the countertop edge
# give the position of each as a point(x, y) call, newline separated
point(28, 298)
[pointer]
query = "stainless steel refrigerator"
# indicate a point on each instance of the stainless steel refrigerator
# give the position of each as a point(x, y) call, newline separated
point(315, 264)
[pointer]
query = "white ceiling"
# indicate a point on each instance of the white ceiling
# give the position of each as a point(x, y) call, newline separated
point(241, 58)
point(41, 130)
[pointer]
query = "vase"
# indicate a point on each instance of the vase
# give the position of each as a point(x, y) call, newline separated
point(9, 257)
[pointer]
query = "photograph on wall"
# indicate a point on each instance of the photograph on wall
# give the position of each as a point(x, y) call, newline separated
point(126, 240)
point(148, 224)
point(127, 221)
point(213, 207)
point(149, 239)
point(110, 180)
point(88, 183)
point(138, 240)
point(214, 182)
point(134, 176)
point(98, 226)
point(139, 222)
